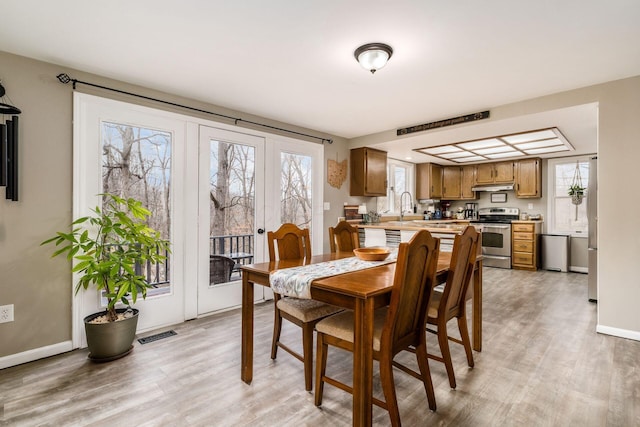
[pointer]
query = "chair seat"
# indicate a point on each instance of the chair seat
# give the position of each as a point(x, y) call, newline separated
point(341, 326)
point(306, 310)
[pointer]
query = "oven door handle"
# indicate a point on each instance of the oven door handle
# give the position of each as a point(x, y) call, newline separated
point(497, 227)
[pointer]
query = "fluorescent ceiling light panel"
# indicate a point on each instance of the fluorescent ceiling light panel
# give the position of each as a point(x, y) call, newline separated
point(547, 150)
point(530, 136)
point(493, 150)
point(440, 150)
point(470, 159)
point(503, 155)
point(539, 144)
point(540, 141)
point(481, 143)
point(456, 155)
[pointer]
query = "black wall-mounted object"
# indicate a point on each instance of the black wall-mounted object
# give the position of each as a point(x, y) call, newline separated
point(9, 148)
point(11, 164)
point(3, 155)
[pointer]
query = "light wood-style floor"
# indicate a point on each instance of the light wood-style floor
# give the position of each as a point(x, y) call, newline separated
point(542, 364)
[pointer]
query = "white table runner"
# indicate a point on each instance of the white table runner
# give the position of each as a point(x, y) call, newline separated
point(296, 281)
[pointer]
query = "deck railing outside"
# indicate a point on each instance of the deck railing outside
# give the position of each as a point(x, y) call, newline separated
point(239, 247)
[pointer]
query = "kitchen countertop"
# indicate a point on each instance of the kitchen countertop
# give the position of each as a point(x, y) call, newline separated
point(436, 226)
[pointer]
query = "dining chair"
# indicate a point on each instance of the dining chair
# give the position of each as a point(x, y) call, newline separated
point(291, 242)
point(397, 327)
point(220, 269)
point(451, 302)
point(343, 237)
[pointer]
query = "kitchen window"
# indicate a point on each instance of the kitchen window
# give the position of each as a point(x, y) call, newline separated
point(399, 179)
point(564, 216)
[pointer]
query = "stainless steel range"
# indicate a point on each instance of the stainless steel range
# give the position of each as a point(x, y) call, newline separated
point(495, 225)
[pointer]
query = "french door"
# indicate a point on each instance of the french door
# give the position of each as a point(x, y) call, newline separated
point(231, 199)
point(247, 185)
point(137, 152)
point(213, 191)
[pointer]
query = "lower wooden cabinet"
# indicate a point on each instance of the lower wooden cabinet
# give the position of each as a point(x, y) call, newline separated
point(525, 238)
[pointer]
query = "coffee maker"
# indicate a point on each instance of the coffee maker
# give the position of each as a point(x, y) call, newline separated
point(446, 213)
point(471, 211)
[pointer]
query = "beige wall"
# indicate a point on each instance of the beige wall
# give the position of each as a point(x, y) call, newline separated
point(40, 288)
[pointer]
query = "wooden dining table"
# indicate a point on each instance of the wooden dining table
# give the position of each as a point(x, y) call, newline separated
point(361, 291)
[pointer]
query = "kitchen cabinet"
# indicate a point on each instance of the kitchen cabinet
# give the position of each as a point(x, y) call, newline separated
point(457, 182)
point(525, 236)
point(428, 181)
point(451, 182)
point(494, 173)
point(467, 182)
point(528, 183)
point(368, 172)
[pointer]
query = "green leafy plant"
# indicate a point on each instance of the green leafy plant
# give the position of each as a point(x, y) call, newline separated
point(108, 246)
point(576, 190)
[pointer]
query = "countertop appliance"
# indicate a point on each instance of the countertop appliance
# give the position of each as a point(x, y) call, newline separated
point(471, 211)
point(495, 225)
point(592, 217)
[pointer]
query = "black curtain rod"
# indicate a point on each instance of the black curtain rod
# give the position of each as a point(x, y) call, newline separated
point(64, 78)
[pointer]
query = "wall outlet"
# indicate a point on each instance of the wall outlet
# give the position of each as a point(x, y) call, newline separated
point(6, 313)
point(530, 206)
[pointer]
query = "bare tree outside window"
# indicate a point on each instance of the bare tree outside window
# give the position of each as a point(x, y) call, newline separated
point(136, 162)
point(295, 185)
point(232, 200)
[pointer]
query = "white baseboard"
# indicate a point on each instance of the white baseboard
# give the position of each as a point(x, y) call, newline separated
point(616, 332)
point(577, 269)
point(35, 354)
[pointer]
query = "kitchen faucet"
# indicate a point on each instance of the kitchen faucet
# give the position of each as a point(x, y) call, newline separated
point(402, 204)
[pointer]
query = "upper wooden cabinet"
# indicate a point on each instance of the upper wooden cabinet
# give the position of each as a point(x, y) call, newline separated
point(495, 173)
point(368, 172)
point(528, 183)
point(428, 181)
point(457, 182)
point(468, 181)
point(451, 181)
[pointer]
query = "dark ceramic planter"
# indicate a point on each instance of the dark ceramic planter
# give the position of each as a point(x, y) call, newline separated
point(112, 340)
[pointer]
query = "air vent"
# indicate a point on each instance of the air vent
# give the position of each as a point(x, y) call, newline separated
point(156, 337)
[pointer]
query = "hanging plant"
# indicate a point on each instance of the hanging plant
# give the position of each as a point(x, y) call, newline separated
point(576, 190)
point(577, 194)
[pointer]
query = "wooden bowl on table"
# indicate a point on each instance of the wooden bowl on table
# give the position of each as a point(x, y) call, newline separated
point(372, 253)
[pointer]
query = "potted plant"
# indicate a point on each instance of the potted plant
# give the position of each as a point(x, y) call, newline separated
point(108, 249)
point(576, 192)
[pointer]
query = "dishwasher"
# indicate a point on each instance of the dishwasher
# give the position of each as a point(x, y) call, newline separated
point(555, 251)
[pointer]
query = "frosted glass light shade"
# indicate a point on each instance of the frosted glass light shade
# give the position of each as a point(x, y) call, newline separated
point(373, 56)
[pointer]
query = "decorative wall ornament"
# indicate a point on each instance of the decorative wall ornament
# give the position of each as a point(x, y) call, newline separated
point(336, 172)
point(9, 147)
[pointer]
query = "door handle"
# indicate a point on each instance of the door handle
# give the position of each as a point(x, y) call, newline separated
point(260, 230)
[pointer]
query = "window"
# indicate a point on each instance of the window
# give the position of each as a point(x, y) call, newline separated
point(564, 216)
point(136, 162)
point(400, 179)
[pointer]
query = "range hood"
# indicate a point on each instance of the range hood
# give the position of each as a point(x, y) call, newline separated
point(493, 187)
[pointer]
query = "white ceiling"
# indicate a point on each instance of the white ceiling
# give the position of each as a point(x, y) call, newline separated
point(292, 60)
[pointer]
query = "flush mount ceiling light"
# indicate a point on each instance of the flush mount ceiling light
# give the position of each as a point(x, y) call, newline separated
point(536, 142)
point(373, 56)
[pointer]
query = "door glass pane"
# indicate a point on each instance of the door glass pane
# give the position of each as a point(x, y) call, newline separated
point(232, 209)
point(136, 162)
point(295, 190)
